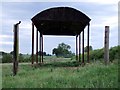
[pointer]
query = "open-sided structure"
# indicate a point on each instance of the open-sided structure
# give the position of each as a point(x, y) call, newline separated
point(60, 21)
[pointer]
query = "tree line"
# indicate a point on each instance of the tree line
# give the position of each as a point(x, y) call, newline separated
point(63, 50)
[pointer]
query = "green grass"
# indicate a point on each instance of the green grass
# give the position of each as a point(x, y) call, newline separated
point(62, 75)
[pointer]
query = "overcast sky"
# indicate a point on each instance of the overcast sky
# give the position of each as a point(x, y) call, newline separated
point(102, 13)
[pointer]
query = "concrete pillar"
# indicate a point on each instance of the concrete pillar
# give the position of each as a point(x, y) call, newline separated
point(16, 48)
point(106, 45)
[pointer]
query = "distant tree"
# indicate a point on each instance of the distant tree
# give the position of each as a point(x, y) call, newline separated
point(62, 50)
point(48, 55)
point(55, 51)
point(3, 53)
point(44, 53)
point(86, 48)
point(12, 52)
point(20, 54)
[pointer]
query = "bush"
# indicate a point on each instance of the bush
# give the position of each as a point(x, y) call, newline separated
point(99, 54)
point(22, 58)
point(7, 58)
point(113, 53)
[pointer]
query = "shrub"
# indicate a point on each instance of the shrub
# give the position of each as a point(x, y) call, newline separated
point(99, 53)
point(22, 58)
point(7, 58)
point(113, 53)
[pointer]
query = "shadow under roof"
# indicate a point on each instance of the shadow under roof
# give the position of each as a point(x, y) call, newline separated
point(61, 21)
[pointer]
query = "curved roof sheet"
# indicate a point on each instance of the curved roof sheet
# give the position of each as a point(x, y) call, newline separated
point(60, 21)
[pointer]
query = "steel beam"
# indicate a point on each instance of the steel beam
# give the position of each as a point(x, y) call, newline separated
point(76, 47)
point(42, 48)
point(32, 43)
point(36, 46)
point(88, 45)
point(83, 48)
point(80, 48)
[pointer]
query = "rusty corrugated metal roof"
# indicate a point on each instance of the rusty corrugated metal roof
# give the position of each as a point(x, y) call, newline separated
point(60, 21)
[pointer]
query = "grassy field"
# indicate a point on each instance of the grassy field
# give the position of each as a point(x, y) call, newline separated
point(61, 73)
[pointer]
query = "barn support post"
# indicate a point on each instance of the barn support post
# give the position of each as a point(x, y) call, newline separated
point(16, 48)
point(79, 47)
point(42, 48)
point(32, 43)
point(36, 46)
point(83, 48)
point(76, 47)
point(88, 56)
point(106, 45)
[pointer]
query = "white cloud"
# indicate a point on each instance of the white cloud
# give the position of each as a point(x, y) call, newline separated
point(106, 20)
point(4, 39)
point(25, 25)
point(6, 43)
point(5, 36)
point(100, 1)
point(86, 1)
point(9, 21)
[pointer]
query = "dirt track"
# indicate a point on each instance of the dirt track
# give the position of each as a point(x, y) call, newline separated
point(12, 63)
